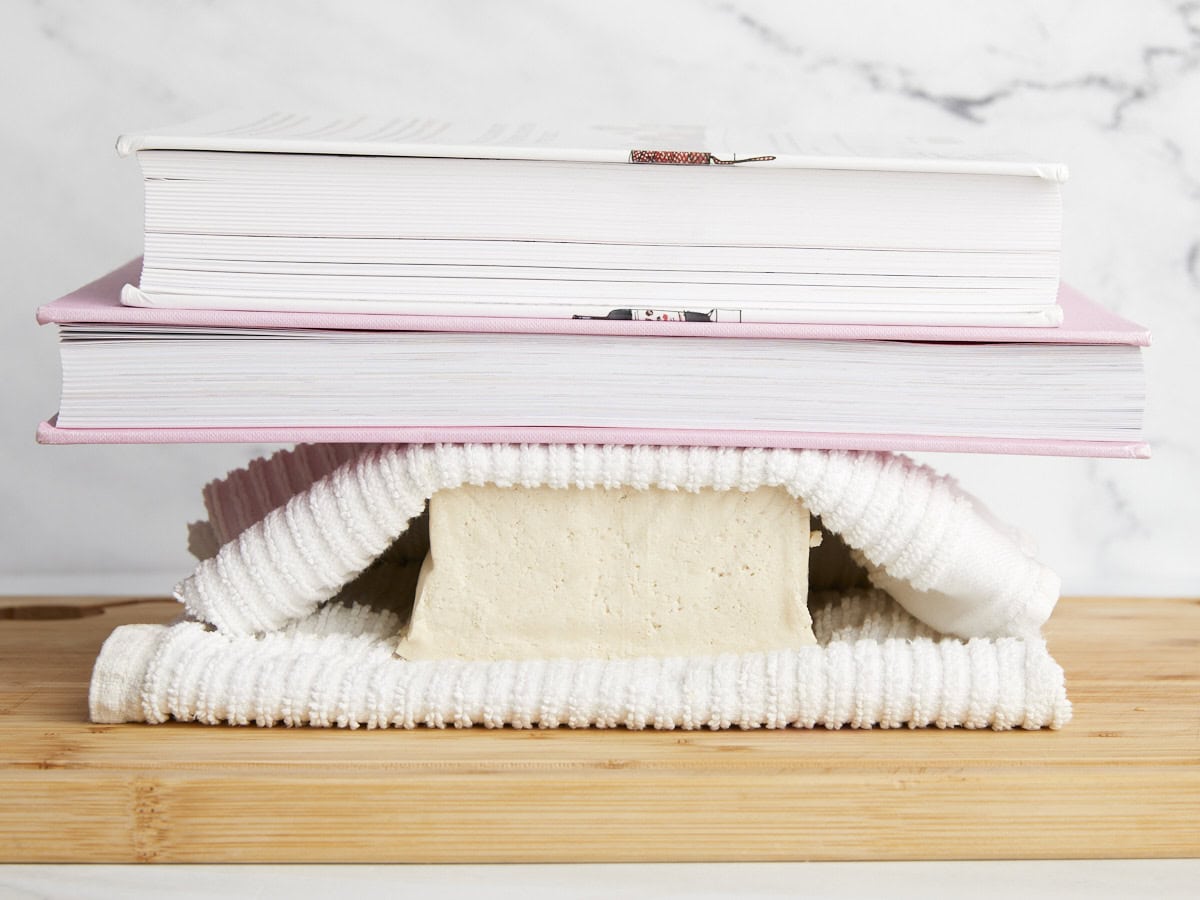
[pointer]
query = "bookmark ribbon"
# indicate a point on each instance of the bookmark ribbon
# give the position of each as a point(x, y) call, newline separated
point(687, 158)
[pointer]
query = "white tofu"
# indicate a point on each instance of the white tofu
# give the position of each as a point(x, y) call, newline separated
point(539, 573)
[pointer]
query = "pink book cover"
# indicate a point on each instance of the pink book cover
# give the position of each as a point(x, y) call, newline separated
point(1084, 322)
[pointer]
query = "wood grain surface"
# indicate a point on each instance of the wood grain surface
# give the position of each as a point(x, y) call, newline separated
point(1122, 780)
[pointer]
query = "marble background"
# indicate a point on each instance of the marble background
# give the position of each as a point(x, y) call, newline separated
point(1112, 88)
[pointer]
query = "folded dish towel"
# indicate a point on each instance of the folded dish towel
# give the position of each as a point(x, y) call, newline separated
point(286, 535)
point(873, 665)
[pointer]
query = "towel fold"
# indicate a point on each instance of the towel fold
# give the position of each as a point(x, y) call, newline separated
point(922, 538)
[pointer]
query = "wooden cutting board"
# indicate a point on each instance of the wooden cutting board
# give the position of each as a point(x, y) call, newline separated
point(1123, 779)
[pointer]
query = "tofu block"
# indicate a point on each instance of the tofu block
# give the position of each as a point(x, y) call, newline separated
point(542, 573)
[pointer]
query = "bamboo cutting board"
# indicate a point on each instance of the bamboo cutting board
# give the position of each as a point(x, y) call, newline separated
point(1123, 779)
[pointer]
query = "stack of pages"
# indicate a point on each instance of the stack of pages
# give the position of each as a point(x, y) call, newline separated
point(410, 280)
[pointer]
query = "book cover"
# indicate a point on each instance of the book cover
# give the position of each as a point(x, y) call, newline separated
point(1084, 321)
point(361, 135)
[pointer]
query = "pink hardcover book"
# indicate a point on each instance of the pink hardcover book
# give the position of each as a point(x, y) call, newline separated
point(1084, 322)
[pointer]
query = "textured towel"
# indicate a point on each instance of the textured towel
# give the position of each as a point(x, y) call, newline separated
point(873, 665)
point(921, 538)
point(287, 534)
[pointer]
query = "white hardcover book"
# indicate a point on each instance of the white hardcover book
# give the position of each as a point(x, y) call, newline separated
point(417, 215)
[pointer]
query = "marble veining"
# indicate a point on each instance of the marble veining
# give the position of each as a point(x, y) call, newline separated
point(1110, 88)
point(886, 77)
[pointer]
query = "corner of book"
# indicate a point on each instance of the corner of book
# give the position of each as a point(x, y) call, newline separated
point(47, 433)
point(128, 144)
point(132, 295)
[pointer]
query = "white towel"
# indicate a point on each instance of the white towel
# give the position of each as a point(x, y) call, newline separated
point(874, 665)
point(288, 533)
point(929, 544)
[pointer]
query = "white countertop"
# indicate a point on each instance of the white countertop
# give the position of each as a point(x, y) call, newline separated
point(1096, 880)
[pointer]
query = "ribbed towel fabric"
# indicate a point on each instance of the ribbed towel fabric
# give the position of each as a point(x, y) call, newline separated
point(874, 665)
point(922, 538)
point(955, 640)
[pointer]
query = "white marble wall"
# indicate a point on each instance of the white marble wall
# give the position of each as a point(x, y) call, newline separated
point(1112, 88)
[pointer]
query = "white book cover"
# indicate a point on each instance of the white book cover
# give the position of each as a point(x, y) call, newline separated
point(363, 135)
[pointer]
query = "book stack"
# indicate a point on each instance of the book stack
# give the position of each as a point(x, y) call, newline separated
point(358, 282)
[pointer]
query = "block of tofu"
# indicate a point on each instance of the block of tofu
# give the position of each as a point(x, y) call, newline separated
point(542, 573)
